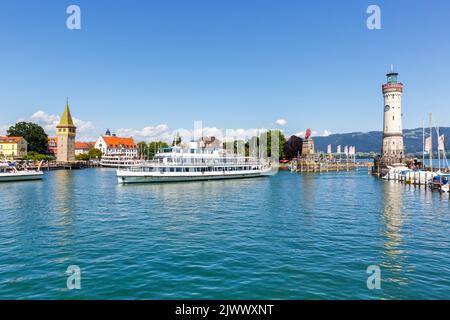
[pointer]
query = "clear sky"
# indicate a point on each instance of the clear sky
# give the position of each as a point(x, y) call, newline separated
point(230, 63)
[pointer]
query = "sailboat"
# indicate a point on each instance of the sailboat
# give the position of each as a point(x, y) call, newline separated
point(441, 180)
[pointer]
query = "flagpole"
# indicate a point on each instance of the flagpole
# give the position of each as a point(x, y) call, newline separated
point(431, 146)
point(423, 145)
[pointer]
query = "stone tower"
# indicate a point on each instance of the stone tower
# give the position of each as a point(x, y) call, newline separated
point(66, 132)
point(393, 150)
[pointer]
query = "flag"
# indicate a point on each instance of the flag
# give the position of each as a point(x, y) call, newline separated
point(338, 149)
point(428, 147)
point(329, 149)
point(441, 143)
point(345, 150)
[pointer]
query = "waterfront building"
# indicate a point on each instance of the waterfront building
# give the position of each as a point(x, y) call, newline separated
point(52, 145)
point(13, 147)
point(393, 150)
point(66, 132)
point(83, 147)
point(113, 145)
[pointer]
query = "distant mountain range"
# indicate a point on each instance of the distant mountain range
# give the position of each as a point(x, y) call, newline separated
point(371, 141)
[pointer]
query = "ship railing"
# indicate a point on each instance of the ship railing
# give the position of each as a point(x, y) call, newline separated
point(200, 164)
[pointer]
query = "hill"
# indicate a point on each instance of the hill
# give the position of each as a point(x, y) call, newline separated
point(371, 141)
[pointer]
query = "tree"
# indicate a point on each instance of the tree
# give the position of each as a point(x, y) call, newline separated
point(82, 157)
point(34, 156)
point(34, 134)
point(92, 154)
point(95, 154)
point(176, 140)
point(266, 143)
point(293, 147)
point(142, 150)
point(154, 146)
point(237, 146)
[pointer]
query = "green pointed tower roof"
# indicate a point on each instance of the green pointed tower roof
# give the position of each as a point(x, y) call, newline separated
point(66, 119)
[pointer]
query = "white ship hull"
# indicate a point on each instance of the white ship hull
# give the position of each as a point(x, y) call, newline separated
point(21, 176)
point(124, 176)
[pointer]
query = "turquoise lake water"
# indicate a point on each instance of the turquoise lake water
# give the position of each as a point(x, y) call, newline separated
point(290, 236)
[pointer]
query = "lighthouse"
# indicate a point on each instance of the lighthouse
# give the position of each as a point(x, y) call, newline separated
point(393, 150)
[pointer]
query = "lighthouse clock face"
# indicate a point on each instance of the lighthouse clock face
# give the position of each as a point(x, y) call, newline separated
point(386, 108)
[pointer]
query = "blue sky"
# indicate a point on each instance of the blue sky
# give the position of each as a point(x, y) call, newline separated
point(232, 64)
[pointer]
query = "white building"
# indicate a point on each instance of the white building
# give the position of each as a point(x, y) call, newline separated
point(112, 145)
point(83, 147)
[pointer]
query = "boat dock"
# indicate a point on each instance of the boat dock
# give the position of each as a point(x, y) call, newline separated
point(53, 165)
point(327, 166)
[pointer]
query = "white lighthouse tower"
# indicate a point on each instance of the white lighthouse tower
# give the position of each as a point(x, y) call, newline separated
point(393, 150)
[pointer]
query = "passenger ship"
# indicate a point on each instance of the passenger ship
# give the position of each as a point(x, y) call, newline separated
point(193, 164)
point(118, 161)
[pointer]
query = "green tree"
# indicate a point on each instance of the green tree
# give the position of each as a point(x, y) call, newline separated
point(266, 142)
point(236, 145)
point(176, 140)
point(34, 156)
point(82, 157)
point(92, 154)
point(35, 135)
point(95, 154)
point(154, 146)
point(142, 150)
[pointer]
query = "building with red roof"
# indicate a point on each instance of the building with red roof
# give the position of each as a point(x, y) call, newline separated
point(113, 145)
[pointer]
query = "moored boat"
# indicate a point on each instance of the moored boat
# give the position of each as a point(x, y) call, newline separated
point(119, 161)
point(440, 182)
point(10, 173)
point(396, 172)
point(176, 164)
point(419, 177)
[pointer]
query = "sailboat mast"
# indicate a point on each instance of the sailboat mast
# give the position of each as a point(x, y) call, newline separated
point(431, 144)
point(439, 153)
point(423, 144)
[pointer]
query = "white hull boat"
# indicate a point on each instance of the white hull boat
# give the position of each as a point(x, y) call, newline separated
point(9, 173)
point(419, 177)
point(21, 176)
point(396, 172)
point(193, 164)
point(445, 188)
point(126, 176)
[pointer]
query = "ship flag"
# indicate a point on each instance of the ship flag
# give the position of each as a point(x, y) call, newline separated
point(441, 142)
point(428, 147)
